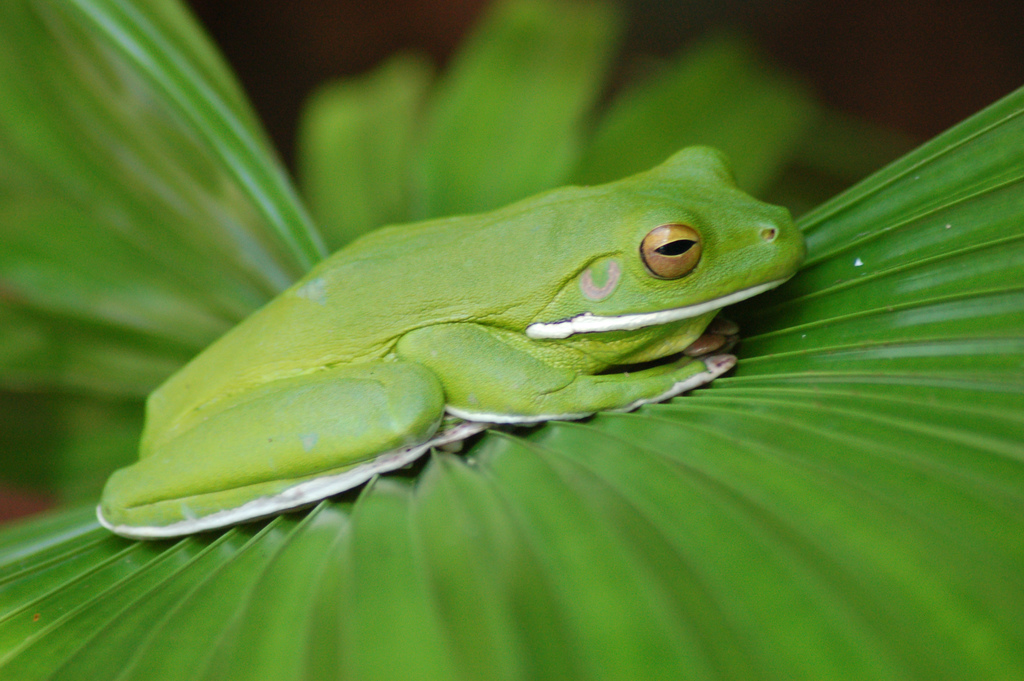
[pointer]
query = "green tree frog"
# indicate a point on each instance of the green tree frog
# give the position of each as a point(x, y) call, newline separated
point(519, 315)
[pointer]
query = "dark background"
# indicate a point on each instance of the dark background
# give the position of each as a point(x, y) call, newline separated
point(916, 66)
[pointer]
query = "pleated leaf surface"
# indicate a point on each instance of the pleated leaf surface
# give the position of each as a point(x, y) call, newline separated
point(849, 504)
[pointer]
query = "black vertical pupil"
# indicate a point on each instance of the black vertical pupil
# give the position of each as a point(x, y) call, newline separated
point(677, 247)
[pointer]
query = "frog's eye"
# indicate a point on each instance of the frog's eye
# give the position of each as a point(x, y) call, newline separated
point(670, 251)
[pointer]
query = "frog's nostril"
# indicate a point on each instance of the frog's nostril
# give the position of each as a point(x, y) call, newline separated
point(769, 233)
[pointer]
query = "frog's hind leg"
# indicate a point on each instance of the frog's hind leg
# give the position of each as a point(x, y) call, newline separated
point(284, 445)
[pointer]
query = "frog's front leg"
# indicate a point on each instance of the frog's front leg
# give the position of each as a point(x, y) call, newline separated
point(501, 377)
point(281, 445)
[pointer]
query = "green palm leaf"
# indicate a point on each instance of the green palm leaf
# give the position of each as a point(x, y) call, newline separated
point(141, 202)
point(142, 214)
point(848, 505)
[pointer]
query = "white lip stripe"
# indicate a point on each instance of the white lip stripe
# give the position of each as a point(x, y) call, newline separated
point(591, 323)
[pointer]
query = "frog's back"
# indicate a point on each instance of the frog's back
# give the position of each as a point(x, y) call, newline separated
point(500, 268)
point(291, 335)
point(354, 306)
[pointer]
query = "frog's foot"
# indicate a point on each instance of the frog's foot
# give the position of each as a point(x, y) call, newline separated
point(715, 366)
point(720, 336)
point(667, 381)
point(305, 493)
point(282, 446)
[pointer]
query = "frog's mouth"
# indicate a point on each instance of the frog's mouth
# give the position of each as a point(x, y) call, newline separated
point(592, 323)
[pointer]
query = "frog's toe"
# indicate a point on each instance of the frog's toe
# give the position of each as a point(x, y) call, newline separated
point(723, 327)
point(707, 343)
point(719, 337)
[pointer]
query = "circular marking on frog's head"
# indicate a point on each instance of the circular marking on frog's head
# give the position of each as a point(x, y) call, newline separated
point(610, 272)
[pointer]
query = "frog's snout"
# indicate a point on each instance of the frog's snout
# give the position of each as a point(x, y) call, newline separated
point(769, 232)
point(780, 218)
point(779, 230)
point(777, 224)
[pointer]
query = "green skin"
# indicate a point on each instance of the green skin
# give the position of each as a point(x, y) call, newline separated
point(363, 356)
